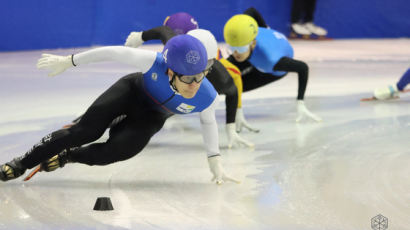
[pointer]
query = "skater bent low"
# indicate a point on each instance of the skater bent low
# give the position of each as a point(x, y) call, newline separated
point(264, 55)
point(171, 82)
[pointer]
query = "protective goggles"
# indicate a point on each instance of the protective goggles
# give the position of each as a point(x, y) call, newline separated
point(239, 49)
point(188, 79)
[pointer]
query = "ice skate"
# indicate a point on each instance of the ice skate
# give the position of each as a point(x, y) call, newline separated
point(373, 98)
point(11, 170)
point(57, 161)
point(299, 30)
point(315, 30)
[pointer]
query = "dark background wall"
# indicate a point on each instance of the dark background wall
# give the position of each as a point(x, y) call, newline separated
point(40, 24)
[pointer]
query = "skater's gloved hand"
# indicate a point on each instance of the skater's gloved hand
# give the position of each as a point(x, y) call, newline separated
point(387, 92)
point(241, 122)
point(54, 63)
point(234, 138)
point(134, 39)
point(304, 112)
point(218, 172)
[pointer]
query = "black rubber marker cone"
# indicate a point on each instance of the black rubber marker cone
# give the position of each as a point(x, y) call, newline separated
point(103, 204)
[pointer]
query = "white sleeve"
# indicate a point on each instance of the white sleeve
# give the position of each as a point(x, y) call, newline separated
point(139, 58)
point(210, 129)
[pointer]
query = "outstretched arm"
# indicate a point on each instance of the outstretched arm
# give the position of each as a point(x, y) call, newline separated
point(239, 118)
point(301, 68)
point(291, 65)
point(222, 81)
point(163, 33)
point(211, 141)
point(139, 58)
point(210, 129)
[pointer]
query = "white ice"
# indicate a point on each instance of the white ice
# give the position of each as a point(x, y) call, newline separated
point(337, 174)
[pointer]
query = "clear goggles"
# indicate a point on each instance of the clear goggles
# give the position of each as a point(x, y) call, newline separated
point(239, 49)
point(188, 79)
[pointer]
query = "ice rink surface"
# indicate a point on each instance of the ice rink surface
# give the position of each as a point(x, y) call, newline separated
point(337, 174)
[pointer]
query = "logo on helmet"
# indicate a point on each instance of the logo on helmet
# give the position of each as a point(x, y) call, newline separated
point(254, 28)
point(194, 22)
point(192, 57)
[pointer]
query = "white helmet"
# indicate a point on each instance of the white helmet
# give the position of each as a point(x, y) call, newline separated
point(386, 92)
point(208, 40)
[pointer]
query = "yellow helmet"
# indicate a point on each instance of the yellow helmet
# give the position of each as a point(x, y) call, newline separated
point(240, 30)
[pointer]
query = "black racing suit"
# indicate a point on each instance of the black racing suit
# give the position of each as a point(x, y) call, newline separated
point(127, 138)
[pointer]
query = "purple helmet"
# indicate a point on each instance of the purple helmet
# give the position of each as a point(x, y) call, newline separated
point(181, 22)
point(185, 55)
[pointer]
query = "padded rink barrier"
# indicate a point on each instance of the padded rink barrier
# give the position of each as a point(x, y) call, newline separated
point(77, 23)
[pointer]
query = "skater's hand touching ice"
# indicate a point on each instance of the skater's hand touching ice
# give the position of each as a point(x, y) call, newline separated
point(304, 112)
point(242, 123)
point(218, 172)
point(234, 138)
point(54, 63)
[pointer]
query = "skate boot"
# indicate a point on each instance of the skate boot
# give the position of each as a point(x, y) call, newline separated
point(316, 30)
point(57, 161)
point(299, 30)
point(12, 170)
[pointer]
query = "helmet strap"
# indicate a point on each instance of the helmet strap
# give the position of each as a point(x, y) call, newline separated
point(172, 83)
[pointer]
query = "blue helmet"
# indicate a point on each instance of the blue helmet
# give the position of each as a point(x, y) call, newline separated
point(185, 55)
